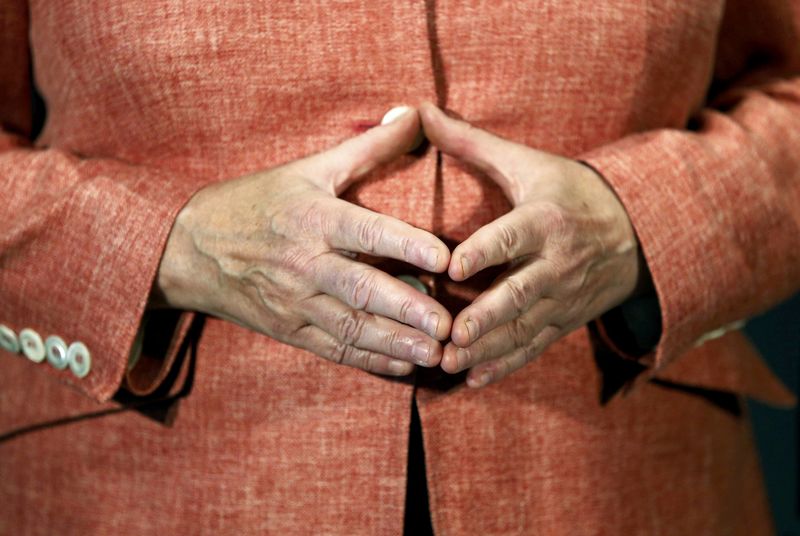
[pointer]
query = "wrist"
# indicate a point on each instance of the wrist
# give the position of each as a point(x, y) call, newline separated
point(174, 282)
point(621, 238)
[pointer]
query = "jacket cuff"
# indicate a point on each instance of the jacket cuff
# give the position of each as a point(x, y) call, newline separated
point(85, 266)
point(155, 350)
point(633, 329)
point(648, 174)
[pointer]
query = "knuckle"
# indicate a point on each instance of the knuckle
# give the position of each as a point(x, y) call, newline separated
point(553, 267)
point(403, 313)
point(530, 351)
point(519, 334)
point(553, 219)
point(391, 343)
point(311, 217)
point(551, 334)
point(508, 240)
point(349, 327)
point(369, 233)
point(406, 246)
point(371, 363)
point(361, 291)
point(518, 294)
point(539, 344)
point(338, 352)
point(296, 260)
point(477, 352)
point(486, 319)
point(352, 356)
point(506, 369)
point(286, 332)
point(483, 257)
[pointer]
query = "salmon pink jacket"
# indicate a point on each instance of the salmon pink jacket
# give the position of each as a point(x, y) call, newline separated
point(689, 109)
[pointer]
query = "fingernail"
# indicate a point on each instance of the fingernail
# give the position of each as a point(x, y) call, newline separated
point(431, 324)
point(431, 258)
point(464, 266)
point(420, 352)
point(480, 381)
point(472, 330)
point(401, 368)
point(394, 114)
point(462, 358)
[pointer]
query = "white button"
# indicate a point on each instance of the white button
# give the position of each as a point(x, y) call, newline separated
point(79, 358)
point(8, 339)
point(32, 345)
point(56, 350)
point(394, 114)
point(414, 282)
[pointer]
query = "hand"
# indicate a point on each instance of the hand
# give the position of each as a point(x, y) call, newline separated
point(572, 251)
point(273, 252)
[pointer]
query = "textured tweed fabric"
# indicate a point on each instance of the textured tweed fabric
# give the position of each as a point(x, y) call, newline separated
point(691, 111)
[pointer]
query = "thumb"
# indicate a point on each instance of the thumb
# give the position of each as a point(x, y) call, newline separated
point(342, 165)
point(465, 142)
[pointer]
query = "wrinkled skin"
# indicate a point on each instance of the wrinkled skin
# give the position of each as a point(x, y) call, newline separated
point(273, 251)
point(572, 251)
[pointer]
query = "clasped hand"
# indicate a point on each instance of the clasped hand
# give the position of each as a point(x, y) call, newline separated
point(273, 251)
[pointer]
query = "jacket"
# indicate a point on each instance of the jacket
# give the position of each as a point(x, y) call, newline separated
point(690, 111)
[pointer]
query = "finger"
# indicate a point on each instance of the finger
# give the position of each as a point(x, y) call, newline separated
point(366, 288)
point(473, 145)
point(340, 166)
point(507, 238)
point(502, 340)
point(316, 340)
point(358, 229)
point(511, 296)
point(371, 332)
point(460, 139)
point(493, 371)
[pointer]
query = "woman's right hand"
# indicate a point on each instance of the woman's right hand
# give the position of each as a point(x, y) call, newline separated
point(269, 251)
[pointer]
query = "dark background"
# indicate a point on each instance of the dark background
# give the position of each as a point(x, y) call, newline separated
point(777, 336)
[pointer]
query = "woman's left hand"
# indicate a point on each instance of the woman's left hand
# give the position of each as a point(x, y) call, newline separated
point(572, 251)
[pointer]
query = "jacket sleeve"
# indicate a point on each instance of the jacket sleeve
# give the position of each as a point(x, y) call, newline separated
point(717, 207)
point(80, 241)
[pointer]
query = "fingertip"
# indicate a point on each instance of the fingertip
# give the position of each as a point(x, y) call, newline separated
point(479, 377)
point(466, 260)
point(454, 271)
point(461, 334)
point(442, 262)
point(450, 359)
point(434, 255)
point(436, 258)
point(445, 324)
point(436, 355)
point(430, 116)
point(473, 381)
point(460, 267)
